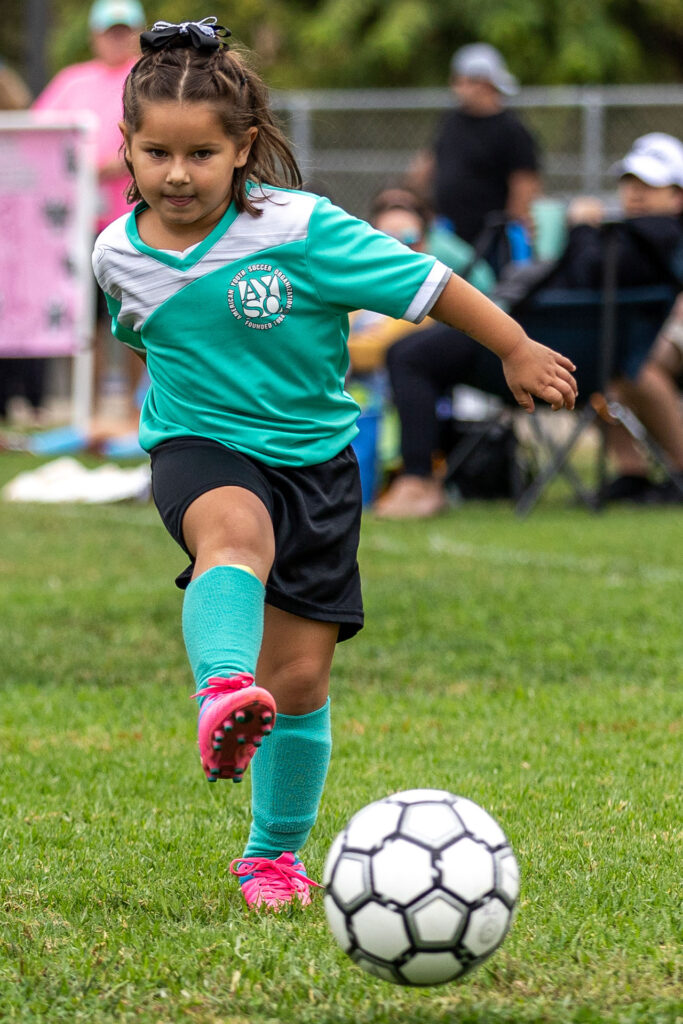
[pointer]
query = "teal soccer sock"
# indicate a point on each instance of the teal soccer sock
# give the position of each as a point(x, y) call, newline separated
point(287, 779)
point(223, 622)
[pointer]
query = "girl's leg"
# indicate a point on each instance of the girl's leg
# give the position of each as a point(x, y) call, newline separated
point(288, 773)
point(229, 533)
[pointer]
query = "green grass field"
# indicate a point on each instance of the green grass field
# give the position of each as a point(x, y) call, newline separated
point(534, 666)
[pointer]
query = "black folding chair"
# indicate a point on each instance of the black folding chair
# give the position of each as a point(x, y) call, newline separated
point(605, 333)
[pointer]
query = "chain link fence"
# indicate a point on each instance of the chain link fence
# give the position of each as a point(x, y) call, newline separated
point(351, 143)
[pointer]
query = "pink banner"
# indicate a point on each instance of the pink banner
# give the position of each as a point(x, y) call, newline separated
point(43, 293)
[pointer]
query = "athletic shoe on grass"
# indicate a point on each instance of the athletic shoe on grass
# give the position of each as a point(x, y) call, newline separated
point(234, 718)
point(273, 883)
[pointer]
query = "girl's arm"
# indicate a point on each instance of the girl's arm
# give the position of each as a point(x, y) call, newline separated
point(529, 368)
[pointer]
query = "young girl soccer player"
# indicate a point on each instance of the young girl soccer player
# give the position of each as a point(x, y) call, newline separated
point(235, 286)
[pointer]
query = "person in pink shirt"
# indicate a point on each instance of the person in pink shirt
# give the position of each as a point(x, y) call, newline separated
point(97, 86)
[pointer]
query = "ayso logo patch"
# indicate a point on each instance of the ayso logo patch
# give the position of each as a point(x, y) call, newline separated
point(260, 295)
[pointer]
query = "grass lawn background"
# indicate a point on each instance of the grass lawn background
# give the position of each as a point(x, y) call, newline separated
point(534, 666)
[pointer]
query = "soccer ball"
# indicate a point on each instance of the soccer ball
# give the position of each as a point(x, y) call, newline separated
point(420, 887)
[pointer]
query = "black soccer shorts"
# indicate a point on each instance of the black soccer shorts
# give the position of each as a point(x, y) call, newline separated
point(315, 511)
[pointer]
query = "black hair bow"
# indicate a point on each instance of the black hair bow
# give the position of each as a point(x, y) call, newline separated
point(203, 35)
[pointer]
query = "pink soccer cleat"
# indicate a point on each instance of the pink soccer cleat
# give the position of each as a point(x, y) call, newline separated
point(273, 883)
point(234, 717)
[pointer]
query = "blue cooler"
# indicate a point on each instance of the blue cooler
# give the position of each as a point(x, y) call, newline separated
point(365, 446)
point(59, 441)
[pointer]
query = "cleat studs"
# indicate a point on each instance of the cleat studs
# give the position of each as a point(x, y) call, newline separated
point(218, 734)
point(267, 717)
point(257, 740)
point(217, 746)
point(267, 730)
point(227, 726)
point(237, 778)
point(238, 770)
point(240, 716)
point(241, 739)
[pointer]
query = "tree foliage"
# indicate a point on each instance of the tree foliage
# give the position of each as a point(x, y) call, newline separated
point(361, 43)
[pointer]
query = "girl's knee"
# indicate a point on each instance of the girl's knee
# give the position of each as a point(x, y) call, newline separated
point(300, 686)
point(230, 525)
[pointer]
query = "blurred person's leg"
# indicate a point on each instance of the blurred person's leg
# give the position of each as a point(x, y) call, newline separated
point(10, 383)
point(667, 351)
point(117, 375)
point(422, 368)
point(655, 400)
point(134, 369)
point(33, 378)
point(4, 388)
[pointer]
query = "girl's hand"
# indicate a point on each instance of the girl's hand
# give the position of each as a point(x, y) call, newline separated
point(532, 369)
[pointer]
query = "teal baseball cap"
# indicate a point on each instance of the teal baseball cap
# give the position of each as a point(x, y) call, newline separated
point(106, 13)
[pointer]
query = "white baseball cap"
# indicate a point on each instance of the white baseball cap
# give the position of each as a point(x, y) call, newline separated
point(656, 159)
point(480, 60)
point(105, 14)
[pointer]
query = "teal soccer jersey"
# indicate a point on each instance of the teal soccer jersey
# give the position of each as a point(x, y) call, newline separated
point(245, 333)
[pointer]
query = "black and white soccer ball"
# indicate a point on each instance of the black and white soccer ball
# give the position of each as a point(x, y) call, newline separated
point(420, 887)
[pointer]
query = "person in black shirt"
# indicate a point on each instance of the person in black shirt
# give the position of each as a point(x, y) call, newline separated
point(483, 159)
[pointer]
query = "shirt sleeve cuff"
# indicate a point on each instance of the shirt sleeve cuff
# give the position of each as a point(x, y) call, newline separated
point(429, 292)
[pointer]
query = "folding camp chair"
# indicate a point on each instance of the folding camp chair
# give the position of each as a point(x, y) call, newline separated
point(605, 333)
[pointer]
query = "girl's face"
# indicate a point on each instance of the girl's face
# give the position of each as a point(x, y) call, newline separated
point(639, 199)
point(184, 164)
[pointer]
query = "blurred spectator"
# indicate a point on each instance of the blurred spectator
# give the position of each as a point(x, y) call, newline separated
point(425, 367)
point(651, 199)
point(650, 202)
point(445, 245)
point(483, 159)
point(96, 86)
point(404, 215)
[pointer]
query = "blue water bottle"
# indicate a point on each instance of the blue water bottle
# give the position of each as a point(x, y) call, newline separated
point(521, 250)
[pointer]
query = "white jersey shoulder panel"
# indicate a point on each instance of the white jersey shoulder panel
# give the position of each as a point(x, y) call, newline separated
point(141, 282)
